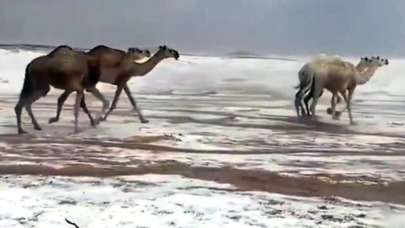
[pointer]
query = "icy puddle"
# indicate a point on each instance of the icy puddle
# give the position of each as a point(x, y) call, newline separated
point(174, 201)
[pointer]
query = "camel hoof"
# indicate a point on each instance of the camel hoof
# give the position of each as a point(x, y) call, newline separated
point(100, 119)
point(53, 120)
point(329, 111)
point(38, 128)
point(105, 107)
point(337, 115)
point(144, 121)
point(95, 122)
point(22, 132)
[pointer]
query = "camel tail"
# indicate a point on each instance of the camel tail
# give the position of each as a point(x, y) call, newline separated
point(28, 86)
point(305, 82)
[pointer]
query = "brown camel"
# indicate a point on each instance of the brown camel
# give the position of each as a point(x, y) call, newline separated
point(129, 68)
point(109, 58)
point(119, 72)
point(62, 69)
point(100, 59)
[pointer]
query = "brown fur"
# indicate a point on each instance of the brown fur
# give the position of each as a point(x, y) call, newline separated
point(62, 69)
point(117, 67)
point(128, 68)
point(103, 59)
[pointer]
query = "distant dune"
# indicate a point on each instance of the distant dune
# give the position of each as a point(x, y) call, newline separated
point(31, 47)
point(236, 54)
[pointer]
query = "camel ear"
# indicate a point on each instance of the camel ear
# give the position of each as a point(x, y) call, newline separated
point(132, 49)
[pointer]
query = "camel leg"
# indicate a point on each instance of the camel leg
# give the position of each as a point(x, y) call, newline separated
point(86, 110)
point(31, 114)
point(298, 102)
point(333, 106)
point(317, 92)
point(26, 101)
point(18, 110)
point(338, 113)
point(307, 99)
point(114, 103)
point(301, 96)
point(28, 107)
point(349, 106)
point(79, 97)
point(134, 105)
point(98, 95)
point(61, 100)
point(306, 102)
point(313, 105)
point(339, 99)
point(301, 99)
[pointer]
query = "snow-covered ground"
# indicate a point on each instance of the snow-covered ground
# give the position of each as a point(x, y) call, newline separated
point(211, 112)
point(173, 201)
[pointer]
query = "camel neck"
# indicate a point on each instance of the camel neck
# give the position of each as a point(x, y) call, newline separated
point(144, 68)
point(366, 75)
point(361, 67)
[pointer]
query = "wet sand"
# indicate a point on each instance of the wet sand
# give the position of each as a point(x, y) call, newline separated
point(244, 180)
point(56, 151)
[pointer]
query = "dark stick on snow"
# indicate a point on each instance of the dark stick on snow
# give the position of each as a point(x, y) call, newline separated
point(71, 223)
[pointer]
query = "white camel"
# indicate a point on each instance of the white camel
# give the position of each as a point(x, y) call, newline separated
point(306, 83)
point(337, 76)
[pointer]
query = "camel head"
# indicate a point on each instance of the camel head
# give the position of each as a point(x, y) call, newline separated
point(138, 54)
point(376, 61)
point(371, 62)
point(168, 52)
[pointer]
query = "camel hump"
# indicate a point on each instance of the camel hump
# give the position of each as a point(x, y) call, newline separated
point(62, 49)
point(326, 61)
point(105, 49)
point(104, 52)
point(99, 48)
point(328, 58)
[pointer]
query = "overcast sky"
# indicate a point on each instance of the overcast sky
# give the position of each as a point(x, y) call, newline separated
point(291, 27)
